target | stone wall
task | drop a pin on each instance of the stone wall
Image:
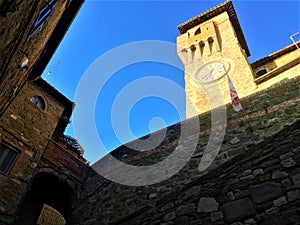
(15, 27)
(55, 156)
(27, 129)
(255, 180)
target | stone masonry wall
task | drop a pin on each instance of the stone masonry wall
(27, 129)
(259, 187)
(255, 180)
(15, 28)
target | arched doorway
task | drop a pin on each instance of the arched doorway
(46, 190)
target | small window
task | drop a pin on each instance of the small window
(8, 157)
(38, 101)
(261, 72)
(44, 15)
(198, 31)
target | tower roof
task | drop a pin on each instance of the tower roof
(224, 7)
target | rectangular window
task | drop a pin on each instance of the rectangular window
(44, 15)
(8, 157)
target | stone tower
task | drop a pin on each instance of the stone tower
(211, 46)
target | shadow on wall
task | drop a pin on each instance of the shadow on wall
(46, 189)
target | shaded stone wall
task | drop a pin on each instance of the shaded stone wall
(27, 129)
(15, 28)
(64, 162)
(260, 185)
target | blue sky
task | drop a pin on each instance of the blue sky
(102, 26)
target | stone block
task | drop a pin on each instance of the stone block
(247, 172)
(169, 216)
(273, 211)
(287, 163)
(265, 192)
(277, 174)
(242, 194)
(296, 180)
(185, 209)
(286, 155)
(280, 201)
(250, 221)
(215, 216)
(235, 141)
(296, 150)
(167, 206)
(293, 195)
(258, 172)
(238, 209)
(249, 177)
(230, 196)
(207, 204)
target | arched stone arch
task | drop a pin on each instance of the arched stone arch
(62, 176)
(47, 188)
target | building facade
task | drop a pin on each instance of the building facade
(36, 159)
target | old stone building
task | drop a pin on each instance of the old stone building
(39, 166)
(44, 178)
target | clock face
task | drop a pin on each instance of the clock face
(210, 72)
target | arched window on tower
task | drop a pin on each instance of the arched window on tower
(210, 43)
(261, 72)
(193, 50)
(201, 45)
(38, 101)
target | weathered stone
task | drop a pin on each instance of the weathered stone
(286, 184)
(277, 174)
(185, 209)
(230, 196)
(238, 209)
(273, 211)
(287, 163)
(193, 191)
(207, 204)
(264, 177)
(235, 141)
(296, 150)
(249, 177)
(293, 195)
(265, 192)
(169, 216)
(242, 194)
(272, 121)
(152, 195)
(258, 172)
(260, 217)
(250, 221)
(247, 172)
(215, 216)
(280, 201)
(296, 180)
(286, 155)
(181, 199)
(167, 206)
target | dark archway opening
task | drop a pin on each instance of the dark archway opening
(46, 189)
